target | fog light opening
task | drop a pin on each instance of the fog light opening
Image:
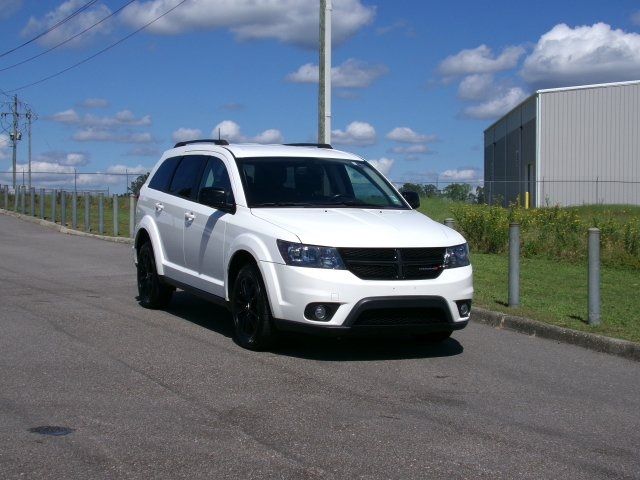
(320, 312)
(464, 307)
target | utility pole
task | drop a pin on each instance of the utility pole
(14, 137)
(28, 115)
(324, 90)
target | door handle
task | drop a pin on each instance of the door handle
(189, 216)
(159, 207)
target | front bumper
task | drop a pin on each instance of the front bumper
(291, 289)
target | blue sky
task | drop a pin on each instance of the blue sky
(415, 83)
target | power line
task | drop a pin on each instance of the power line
(99, 52)
(69, 39)
(50, 29)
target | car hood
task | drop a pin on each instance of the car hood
(356, 227)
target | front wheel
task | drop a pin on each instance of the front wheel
(252, 323)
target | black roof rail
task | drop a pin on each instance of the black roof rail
(318, 145)
(189, 142)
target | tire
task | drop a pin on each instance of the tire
(252, 320)
(152, 293)
(435, 337)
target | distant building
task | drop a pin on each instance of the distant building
(567, 146)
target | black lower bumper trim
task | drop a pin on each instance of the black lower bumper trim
(340, 330)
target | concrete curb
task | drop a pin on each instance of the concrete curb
(592, 341)
(61, 229)
(599, 343)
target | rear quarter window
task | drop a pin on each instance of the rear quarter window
(162, 178)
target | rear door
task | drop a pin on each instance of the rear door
(180, 195)
(204, 234)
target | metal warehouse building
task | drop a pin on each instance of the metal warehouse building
(567, 146)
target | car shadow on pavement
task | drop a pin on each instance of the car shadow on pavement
(218, 319)
(364, 348)
(201, 312)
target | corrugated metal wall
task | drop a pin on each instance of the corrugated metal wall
(510, 156)
(590, 145)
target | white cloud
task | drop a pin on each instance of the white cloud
(581, 55)
(498, 105)
(291, 21)
(407, 135)
(480, 60)
(476, 87)
(91, 134)
(4, 146)
(73, 159)
(269, 136)
(81, 21)
(137, 170)
(94, 103)
(67, 116)
(9, 7)
(230, 130)
(184, 134)
(121, 118)
(356, 133)
(383, 165)
(461, 175)
(411, 149)
(351, 74)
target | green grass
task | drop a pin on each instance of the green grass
(556, 293)
(437, 208)
(597, 214)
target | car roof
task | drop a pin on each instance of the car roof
(254, 150)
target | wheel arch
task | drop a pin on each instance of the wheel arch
(147, 231)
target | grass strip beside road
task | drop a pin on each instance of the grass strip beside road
(556, 293)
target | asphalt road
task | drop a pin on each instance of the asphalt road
(167, 394)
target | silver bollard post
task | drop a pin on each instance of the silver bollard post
(101, 213)
(63, 208)
(87, 211)
(74, 210)
(132, 214)
(32, 201)
(449, 222)
(22, 199)
(54, 200)
(594, 276)
(6, 197)
(514, 264)
(115, 215)
(42, 203)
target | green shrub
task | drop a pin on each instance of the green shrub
(552, 232)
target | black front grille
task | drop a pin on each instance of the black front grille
(380, 317)
(394, 263)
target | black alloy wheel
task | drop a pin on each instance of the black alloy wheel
(252, 322)
(152, 293)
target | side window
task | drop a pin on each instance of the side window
(162, 178)
(215, 175)
(187, 175)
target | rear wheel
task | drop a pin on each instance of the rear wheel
(252, 321)
(152, 293)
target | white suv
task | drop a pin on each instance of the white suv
(297, 237)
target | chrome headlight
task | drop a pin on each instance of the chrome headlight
(312, 256)
(457, 256)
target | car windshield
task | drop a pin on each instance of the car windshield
(315, 182)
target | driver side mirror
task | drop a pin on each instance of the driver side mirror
(412, 198)
(217, 198)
